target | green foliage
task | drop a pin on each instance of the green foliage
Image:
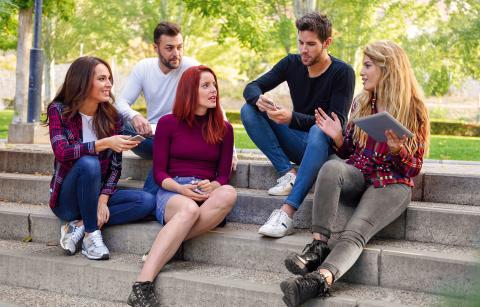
(454, 128)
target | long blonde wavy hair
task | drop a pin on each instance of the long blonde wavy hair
(399, 90)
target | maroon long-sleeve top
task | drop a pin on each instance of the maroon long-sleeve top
(180, 150)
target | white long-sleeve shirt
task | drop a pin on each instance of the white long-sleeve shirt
(158, 88)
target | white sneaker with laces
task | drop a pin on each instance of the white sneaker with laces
(93, 246)
(284, 185)
(70, 236)
(279, 224)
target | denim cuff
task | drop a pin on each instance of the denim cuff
(291, 204)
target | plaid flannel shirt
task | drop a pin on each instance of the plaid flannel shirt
(66, 140)
(378, 165)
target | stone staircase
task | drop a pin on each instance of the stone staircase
(427, 257)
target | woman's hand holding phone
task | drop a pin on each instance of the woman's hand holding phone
(188, 190)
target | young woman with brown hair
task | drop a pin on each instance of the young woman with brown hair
(85, 136)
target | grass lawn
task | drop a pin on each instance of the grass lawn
(5, 119)
(442, 147)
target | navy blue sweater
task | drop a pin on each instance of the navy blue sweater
(332, 91)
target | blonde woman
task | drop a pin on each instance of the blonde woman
(379, 175)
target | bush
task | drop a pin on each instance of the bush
(454, 128)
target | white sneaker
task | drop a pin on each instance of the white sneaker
(284, 185)
(70, 236)
(279, 224)
(94, 248)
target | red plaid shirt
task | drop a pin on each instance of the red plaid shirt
(66, 140)
(378, 165)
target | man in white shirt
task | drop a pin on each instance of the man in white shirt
(157, 78)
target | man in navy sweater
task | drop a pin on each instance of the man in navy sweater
(316, 80)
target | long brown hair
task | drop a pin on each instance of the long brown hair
(75, 90)
(399, 91)
(186, 101)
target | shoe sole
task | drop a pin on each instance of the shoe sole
(275, 235)
(102, 257)
(290, 294)
(296, 266)
(279, 194)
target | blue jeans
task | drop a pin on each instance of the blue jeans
(80, 191)
(282, 144)
(143, 150)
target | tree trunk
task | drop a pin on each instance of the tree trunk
(24, 44)
(301, 7)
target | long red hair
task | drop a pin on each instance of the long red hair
(186, 101)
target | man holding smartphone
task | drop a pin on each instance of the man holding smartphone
(157, 79)
(316, 80)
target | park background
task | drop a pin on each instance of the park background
(242, 39)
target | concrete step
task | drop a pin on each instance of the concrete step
(38, 267)
(455, 183)
(240, 246)
(423, 221)
(20, 296)
(415, 266)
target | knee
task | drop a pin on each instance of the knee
(330, 170)
(227, 197)
(317, 136)
(248, 113)
(146, 202)
(89, 165)
(189, 212)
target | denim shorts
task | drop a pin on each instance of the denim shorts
(164, 195)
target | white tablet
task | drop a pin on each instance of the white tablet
(375, 126)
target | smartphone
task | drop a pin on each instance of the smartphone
(267, 100)
(137, 137)
(198, 191)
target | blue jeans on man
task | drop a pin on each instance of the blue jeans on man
(281, 144)
(145, 151)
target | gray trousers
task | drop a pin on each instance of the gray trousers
(377, 207)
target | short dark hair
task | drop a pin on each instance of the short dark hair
(317, 23)
(165, 28)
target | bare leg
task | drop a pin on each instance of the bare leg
(181, 213)
(214, 210)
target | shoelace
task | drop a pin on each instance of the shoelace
(97, 239)
(275, 217)
(314, 286)
(285, 178)
(147, 292)
(77, 234)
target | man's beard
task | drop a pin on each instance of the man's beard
(167, 63)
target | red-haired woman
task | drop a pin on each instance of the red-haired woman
(192, 159)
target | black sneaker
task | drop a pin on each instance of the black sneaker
(142, 295)
(297, 290)
(312, 256)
